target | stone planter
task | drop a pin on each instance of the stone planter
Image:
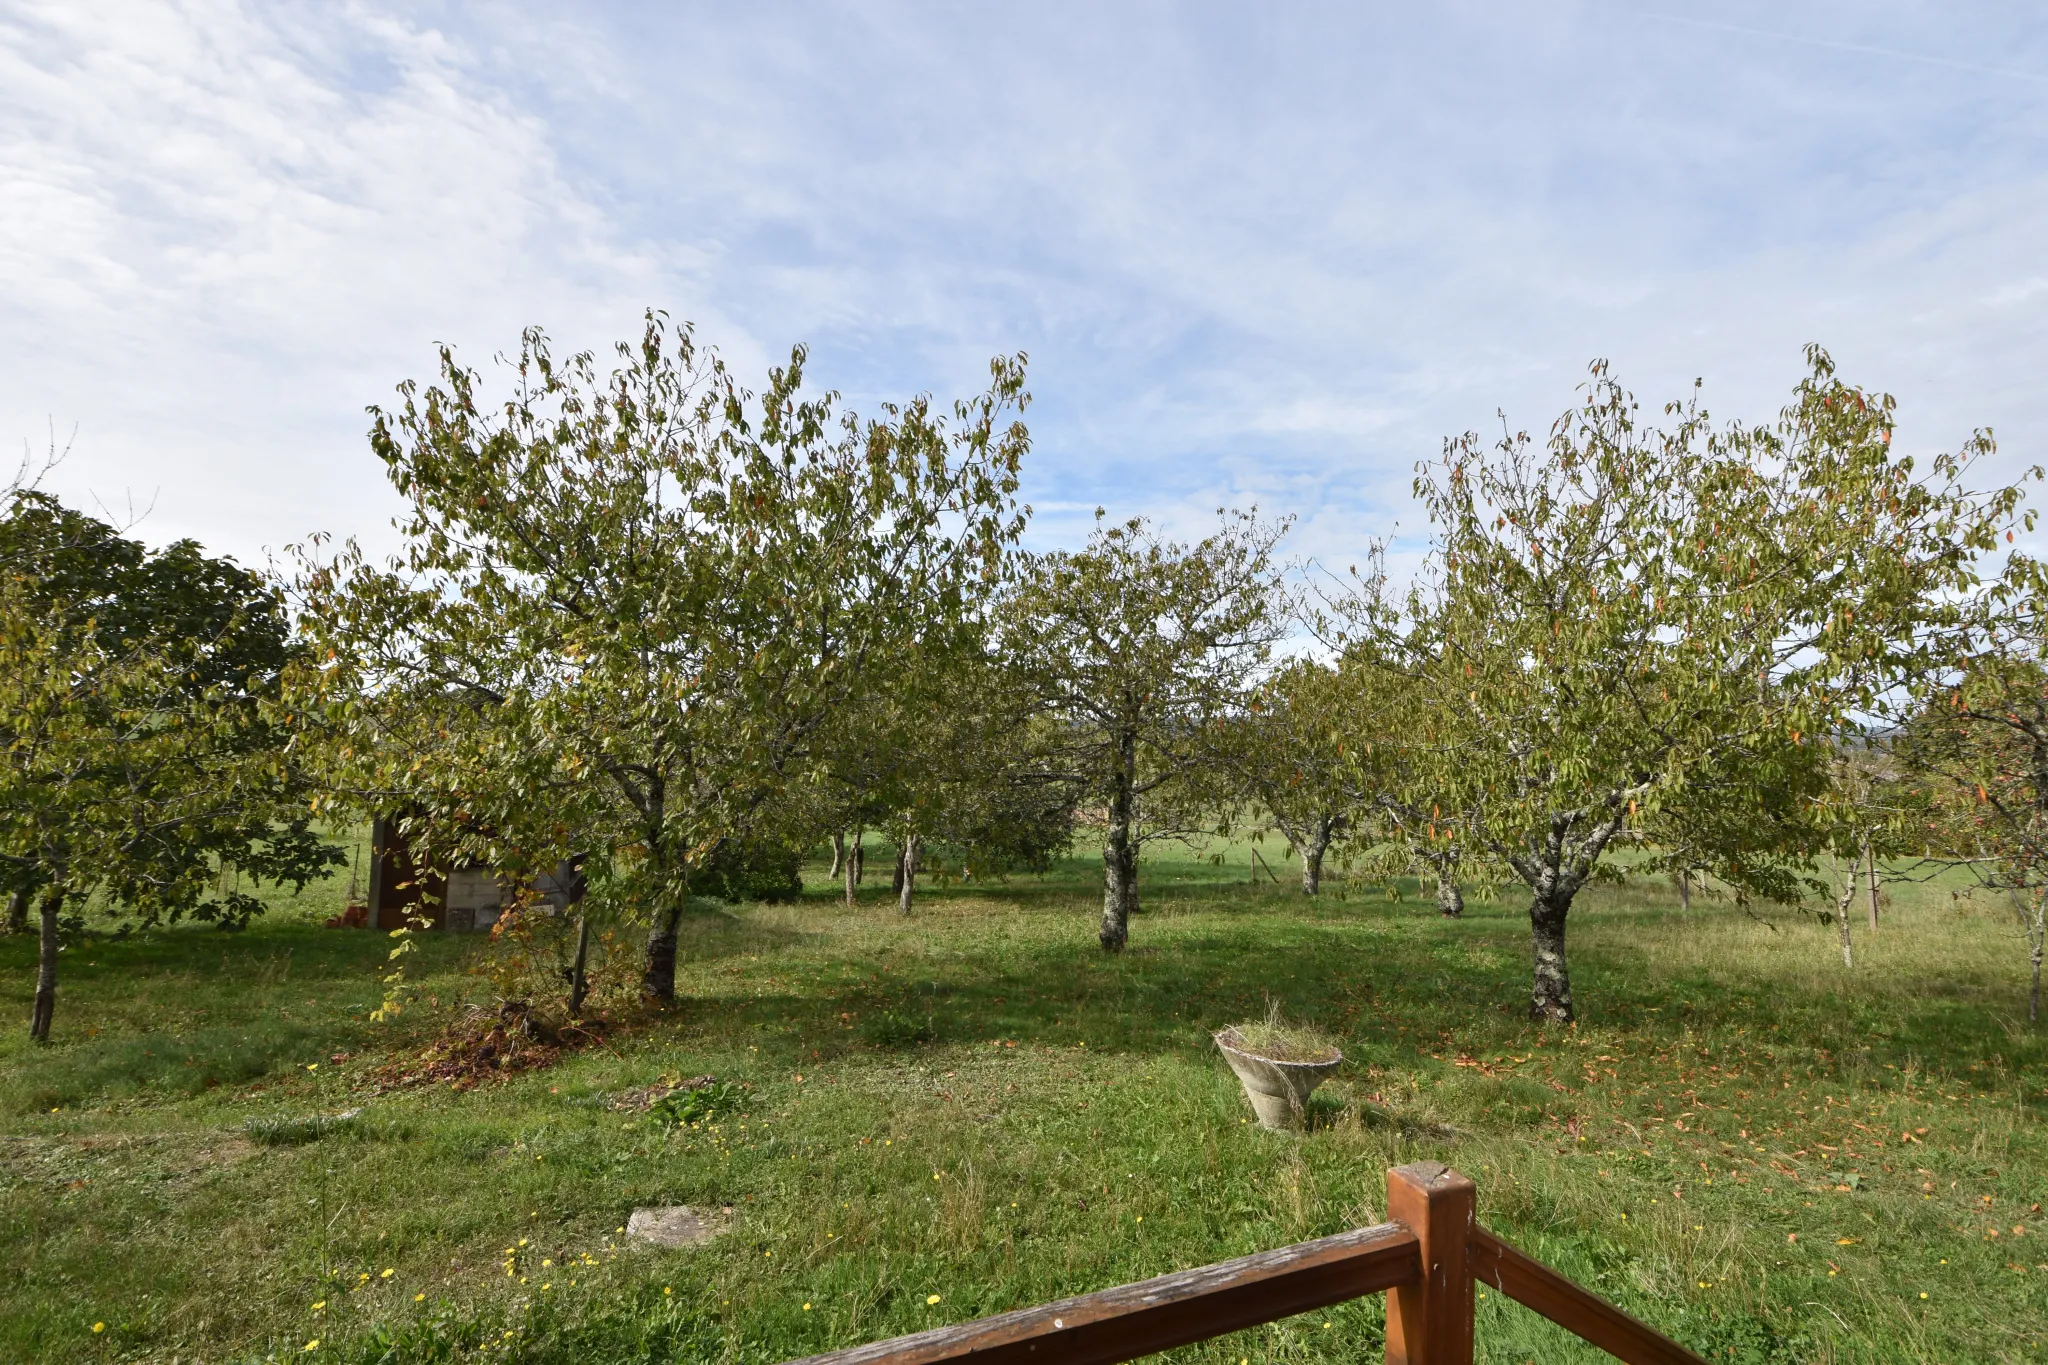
(1278, 1091)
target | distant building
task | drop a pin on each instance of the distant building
(465, 900)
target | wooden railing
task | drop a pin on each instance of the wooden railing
(1427, 1258)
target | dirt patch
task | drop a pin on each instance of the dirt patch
(647, 1096)
(225, 1152)
(78, 1161)
(110, 1142)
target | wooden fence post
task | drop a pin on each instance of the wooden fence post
(1430, 1321)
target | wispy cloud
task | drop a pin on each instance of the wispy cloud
(1269, 256)
(224, 234)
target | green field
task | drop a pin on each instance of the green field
(1765, 1155)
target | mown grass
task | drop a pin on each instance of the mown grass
(1766, 1155)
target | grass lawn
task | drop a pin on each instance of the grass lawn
(1770, 1157)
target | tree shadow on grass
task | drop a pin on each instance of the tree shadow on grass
(1348, 976)
(1401, 988)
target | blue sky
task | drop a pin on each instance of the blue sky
(1266, 254)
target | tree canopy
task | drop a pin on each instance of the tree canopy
(1630, 623)
(146, 757)
(632, 603)
(1137, 645)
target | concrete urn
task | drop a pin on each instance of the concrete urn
(1278, 1090)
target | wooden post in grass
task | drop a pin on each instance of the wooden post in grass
(1429, 1322)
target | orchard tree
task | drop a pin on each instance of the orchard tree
(1630, 624)
(1976, 748)
(1391, 744)
(1286, 750)
(1868, 810)
(1136, 647)
(1394, 742)
(145, 761)
(1757, 838)
(950, 762)
(632, 605)
(983, 796)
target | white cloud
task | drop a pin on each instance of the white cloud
(221, 236)
(1256, 255)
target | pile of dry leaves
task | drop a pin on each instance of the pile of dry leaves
(484, 1044)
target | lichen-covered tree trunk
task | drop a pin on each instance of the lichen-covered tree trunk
(1554, 867)
(838, 853)
(1120, 854)
(1119, 890)
(849, 867)
(1550, 996)
(1312, 865)
(658, 981)
(17, 911)
(1450, 897)
(2034, 997)
(1685, 890)
(46, 967)
(1842, 904)
(906, 871)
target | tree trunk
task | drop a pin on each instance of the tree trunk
(17, 911)
(46, 968)
(838, 854)
(1450, 897)
(579, 980)
(1842, 905)
(1119, 891)
(658, 982)
(1312, 865)
(2034, 999)
(896, 874)
(849, 869)
(1870, 863)
(859, 854)
(1685, 890)
(906, 871)
(2035, 915)
(1120, 859)
(1550, 997)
